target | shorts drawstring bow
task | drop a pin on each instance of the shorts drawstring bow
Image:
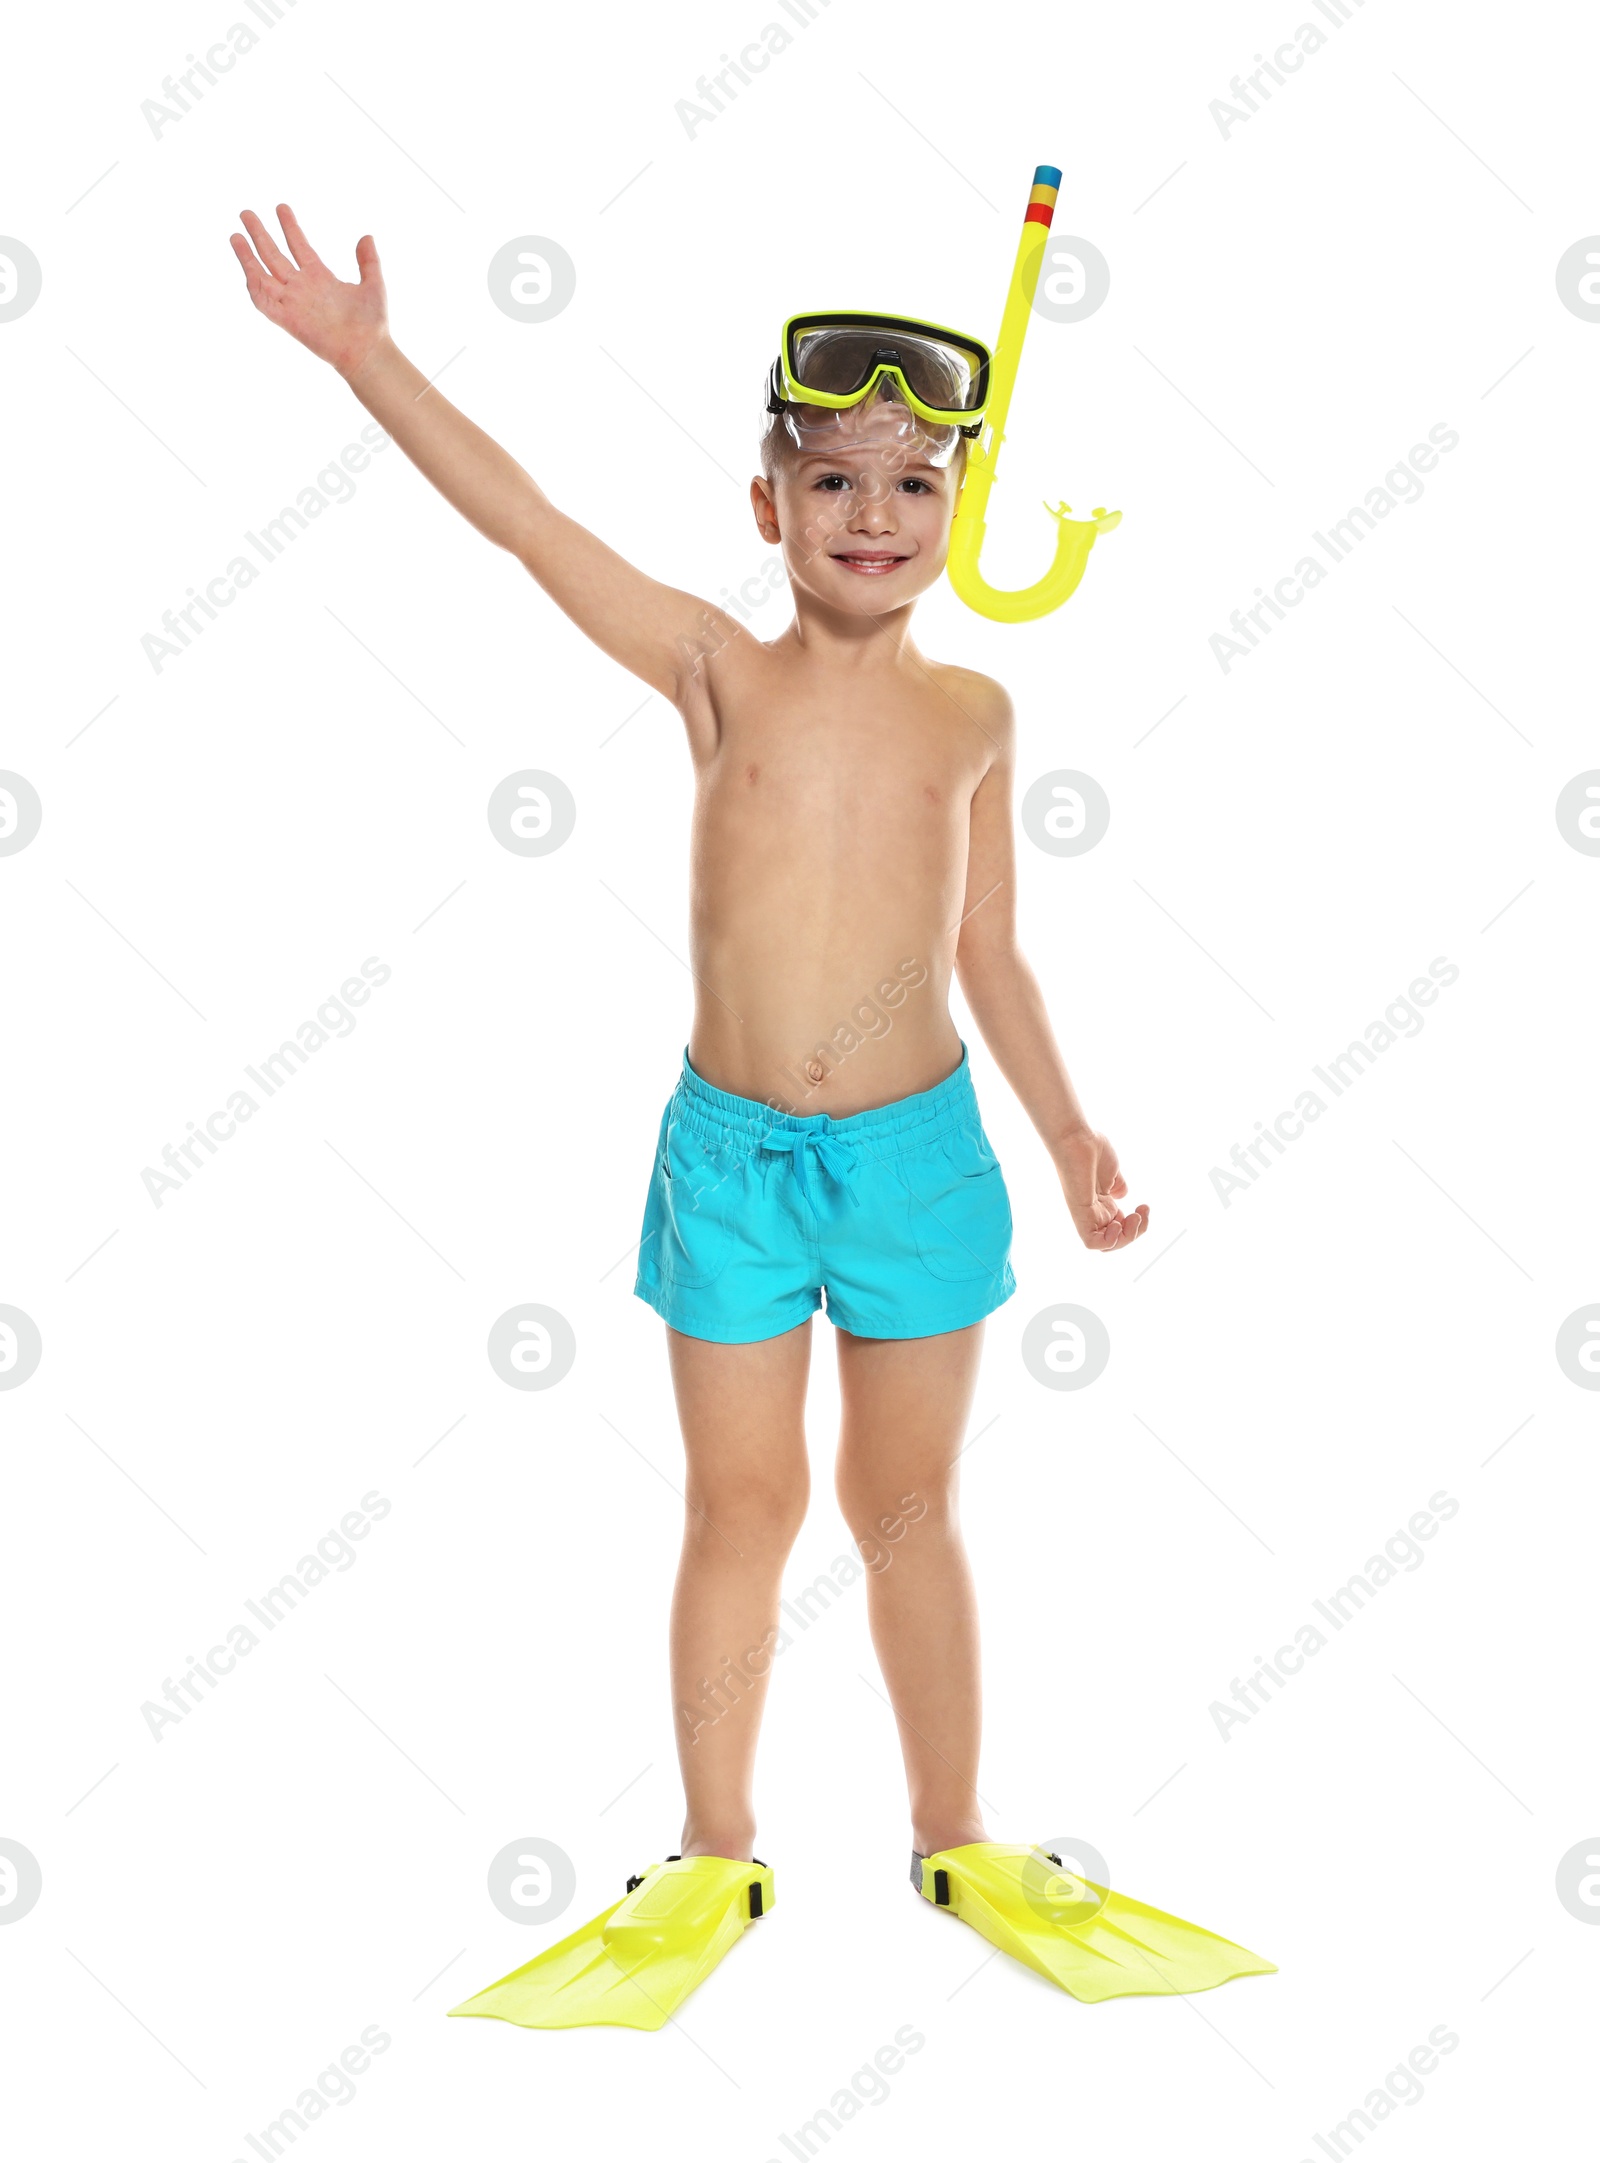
(834, 1158)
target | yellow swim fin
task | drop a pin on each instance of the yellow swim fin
(636, 1962)
(1095, 1943)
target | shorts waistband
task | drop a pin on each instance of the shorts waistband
(718, 1117)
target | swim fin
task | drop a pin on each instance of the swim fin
(1095, 1943)
(636, 1962)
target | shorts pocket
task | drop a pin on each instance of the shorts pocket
(695, 1193)
(960, 1210)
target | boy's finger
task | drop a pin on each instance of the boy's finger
(367, 259)
(299, 247)
(254, 277)
(242, 249)
(277, 263)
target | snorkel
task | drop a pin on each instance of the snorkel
(1074, 537)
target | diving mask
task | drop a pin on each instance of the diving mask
(838, 359)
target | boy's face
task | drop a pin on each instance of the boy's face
(863, 504)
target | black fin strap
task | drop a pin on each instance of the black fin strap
(756, 1859)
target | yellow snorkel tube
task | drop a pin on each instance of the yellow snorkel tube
(1074, 536)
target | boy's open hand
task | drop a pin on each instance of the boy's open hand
(1093, 1185)
(340, 323)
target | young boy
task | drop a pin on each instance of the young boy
(851, 848)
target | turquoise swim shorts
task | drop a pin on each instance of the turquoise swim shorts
(898, 1215)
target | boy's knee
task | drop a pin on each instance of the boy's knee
(880, 1517)
(761, 1516)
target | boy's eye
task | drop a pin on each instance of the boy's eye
(835, 483)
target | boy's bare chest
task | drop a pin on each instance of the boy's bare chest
(888, 761)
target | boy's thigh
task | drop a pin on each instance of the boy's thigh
(907, 1397)
(906, 1402)
(741, 1404)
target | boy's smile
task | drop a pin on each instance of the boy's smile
(868, 564)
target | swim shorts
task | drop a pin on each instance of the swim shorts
(898, 1216)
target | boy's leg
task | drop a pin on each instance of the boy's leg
(742, 1411)
(904, 1411)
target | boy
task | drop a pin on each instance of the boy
(851, 848)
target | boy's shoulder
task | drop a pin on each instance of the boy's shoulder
(986, 701)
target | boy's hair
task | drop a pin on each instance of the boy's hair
(783, 434)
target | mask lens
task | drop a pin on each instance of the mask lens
(840, 359)
(939, 374)
(837, 361)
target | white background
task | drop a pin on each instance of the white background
(1292, 307)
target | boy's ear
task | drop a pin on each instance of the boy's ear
(765, 507)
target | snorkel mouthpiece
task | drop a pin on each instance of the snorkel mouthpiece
(1074, 537)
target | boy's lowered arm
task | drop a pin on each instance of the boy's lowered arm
(1009, 1008)
(650, 628)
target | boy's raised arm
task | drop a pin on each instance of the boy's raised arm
(647, 626)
